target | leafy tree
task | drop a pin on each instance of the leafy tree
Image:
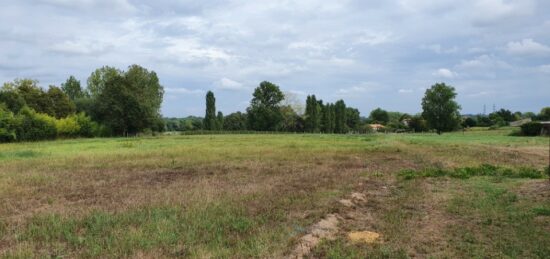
(72, 89)
(526, 115)
(379, 116)
(440, 109)
(210, 116)
(313, 114)
(32, 126)
(264, 112)
(544, 114)
(483, 121)
(34, 96)
(327, 118)
(7, 125)
(235, 121)
(129, 102)
(418, 124)
(99, 78)
(503, 116)
(219, 121)
(469, 122)
(340, 117)
(353, 119)
(11, 98)
(292, 122)
(62, 106)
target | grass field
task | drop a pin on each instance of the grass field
(474, 194)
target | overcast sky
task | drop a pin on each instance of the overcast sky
(369, 53)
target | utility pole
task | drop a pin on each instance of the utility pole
(484, 109)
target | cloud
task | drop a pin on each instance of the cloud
(230, 85)
(445, 73)
(491, 12)
(325, 48)
(527, 47)
(182, 90)
(79, 47)
(405, 91)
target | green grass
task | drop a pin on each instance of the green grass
(500, 222)
(254, 195)
(467, 172)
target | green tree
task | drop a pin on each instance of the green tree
(32, 126)
(210, 116)
(129, 102)
(353, 119)
(72, 89)
(544, 114)
(219, 121)
(379, 116)
(292, 122)
(7, 125)
(418, 124)
(264, 112)
(34, 96)
(61, 104)
(313, 114)
(235, 121)
(440, 108)
(11, 98)
(100, 77)
(340, 117)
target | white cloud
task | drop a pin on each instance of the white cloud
(191, 50)
(405, 91)
(490, 12)
(482, 62)
(182, 90)
(445, 73)
(374, 38)
(231, 85)
(79, 47)
(527, 47)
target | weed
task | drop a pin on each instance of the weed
(467, 172)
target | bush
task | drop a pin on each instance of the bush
(7, 127)
(88, 128)
(68, 127)
(33, 126)
(531, 129)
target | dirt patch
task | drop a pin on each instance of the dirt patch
(368, 237)
(327, 228)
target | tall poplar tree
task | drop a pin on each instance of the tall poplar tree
(210, 116)
(340, 117)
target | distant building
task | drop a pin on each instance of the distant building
(545, 127)
(376, 127)
(520, 122)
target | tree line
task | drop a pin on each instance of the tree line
(267, 112)
(114, 103)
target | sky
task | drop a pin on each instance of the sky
(369, 53)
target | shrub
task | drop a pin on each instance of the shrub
(531, 129)
(87, 126)
(33, 126)
(68, 127)
(7, 127)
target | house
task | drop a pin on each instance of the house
(520, 122)
(376, 127)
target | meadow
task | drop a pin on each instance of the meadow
(473, 194)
